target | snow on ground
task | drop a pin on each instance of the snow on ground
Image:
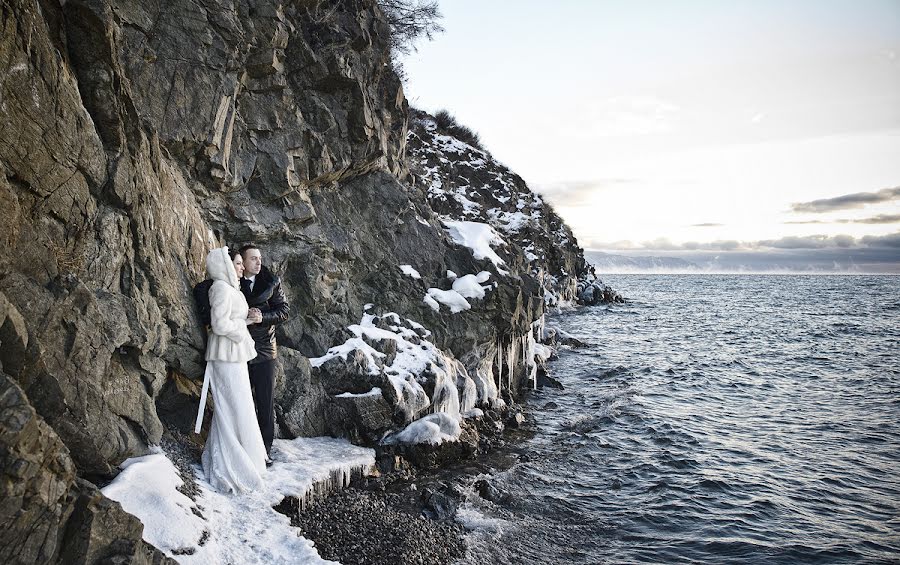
(374, 392)
(477, 236)
(241, 528)
(409, 270)
(414, 355)
(350, 346)
(511, 222)
(146, 487)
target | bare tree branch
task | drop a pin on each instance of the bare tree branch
(411, 20)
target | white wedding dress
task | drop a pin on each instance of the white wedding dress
(234, 457)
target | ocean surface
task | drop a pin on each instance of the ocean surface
(711, 419)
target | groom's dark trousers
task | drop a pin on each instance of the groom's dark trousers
(267, 295)
(262, 382)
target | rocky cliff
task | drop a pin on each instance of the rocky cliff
(135, 136)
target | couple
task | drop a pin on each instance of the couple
(246, 302)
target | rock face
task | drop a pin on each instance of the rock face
(135, 136)
(463, 182)
(47, 513)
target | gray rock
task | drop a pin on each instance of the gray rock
(438, 505)
(49, 515)
(36, 480)
(99, 531)
(300, 396)
(430, 456)
(488, 491)
(361, 419)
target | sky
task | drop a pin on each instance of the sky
(668, 126)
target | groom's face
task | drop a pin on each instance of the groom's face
(252, 262)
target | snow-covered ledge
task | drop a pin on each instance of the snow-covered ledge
(225, 528)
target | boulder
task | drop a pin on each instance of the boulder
(363, 418)
(300, 396)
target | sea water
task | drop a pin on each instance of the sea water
(711, 419)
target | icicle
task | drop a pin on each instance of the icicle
(525, 348)
(511, 356)
(533, 364)
(500, 364)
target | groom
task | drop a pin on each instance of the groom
(269, 308)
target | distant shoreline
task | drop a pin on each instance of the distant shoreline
(756, 273)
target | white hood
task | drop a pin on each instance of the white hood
(220, 267)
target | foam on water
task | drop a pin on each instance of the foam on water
(726, 419)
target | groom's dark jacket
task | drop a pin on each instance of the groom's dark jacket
(269, 298)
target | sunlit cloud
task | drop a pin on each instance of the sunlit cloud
(847, 201)
(578, 193)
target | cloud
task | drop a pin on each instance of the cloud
(809, 242)
(577, 193)
(664, 244)
(707, 225)
(847, 201)
(879, 219)
(890, 240)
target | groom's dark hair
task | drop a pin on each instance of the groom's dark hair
(245, 248)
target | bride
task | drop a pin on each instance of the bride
(234, 456)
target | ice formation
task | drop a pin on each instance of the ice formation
(434, 429)
(457, 391)
(415, 359)
(236, 528)
(374, 392)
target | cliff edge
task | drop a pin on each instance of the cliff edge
(134, 137)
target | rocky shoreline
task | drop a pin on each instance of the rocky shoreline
(402, 513)
(362, 527)
(407, 515)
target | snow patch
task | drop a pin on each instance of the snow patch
(477, 236)
(409, 270)
(374, 392)
(450, 298)
(469, 286)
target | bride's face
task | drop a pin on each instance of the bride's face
(238, 265)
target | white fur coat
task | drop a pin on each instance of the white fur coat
(229, 339)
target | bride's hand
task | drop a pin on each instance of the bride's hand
(254, 316)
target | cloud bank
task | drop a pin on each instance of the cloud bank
(847, 201)
(891, 241)
(879, 219)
